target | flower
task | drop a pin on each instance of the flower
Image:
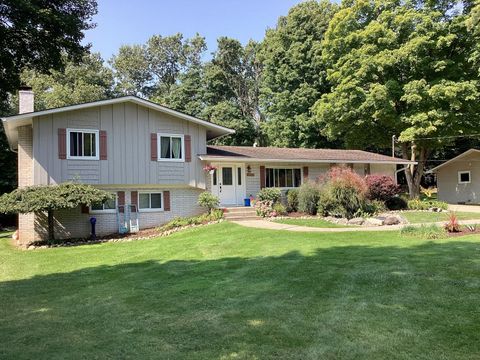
(209, 168)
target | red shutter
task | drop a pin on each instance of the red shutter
(85, 209)
(134, 200)
(62, 144)
(305, 173)
(103, 145)
(262, 177)
(121, 201)
(166, 200)
(188, 148)
(153, 147)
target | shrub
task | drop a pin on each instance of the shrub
(214, 215)
(373, 207)
(270, 194)
(264, 208)
(424, 231)
(343, 194)
(381, 187)
(278, 209)
(308, 196)
(417, 204)
(208, 200)
(292, 200)
(452, 225)
(396, 203)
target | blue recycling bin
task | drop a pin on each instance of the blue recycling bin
(246, 202)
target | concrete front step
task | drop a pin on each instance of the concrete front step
(239, 209)
(240, 213)
(243, 218)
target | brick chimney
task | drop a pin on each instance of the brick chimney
(25, 100)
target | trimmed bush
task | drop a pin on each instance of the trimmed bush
(264, 208)
(214, 215)
(292, 200)
(417, 204)
(373, 207)
(381, 187)
(208, 200)
(270, 194)
(308, 196)
(279, 209)
(396, 203)
(343, 194)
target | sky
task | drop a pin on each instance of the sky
(134, 21)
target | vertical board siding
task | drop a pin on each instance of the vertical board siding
(128, 144)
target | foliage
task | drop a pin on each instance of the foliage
(396, 203)
(292, 200)
(208, 200)
(343, 193)
(399, 68)
(89, 80)
(430, 232)
(372, 207)
(213, 215)
(417, 204)
(34, 34)
(308, 196)
(381, 187)
(270, 194)
(279, 209)
(428, 192)
(48, 198)
(294, 74)
(452, 225)
(264, 208)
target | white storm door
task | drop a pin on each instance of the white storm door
(226, 185)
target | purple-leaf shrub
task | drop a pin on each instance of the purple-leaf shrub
(381, 187)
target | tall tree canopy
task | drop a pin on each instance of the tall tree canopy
(35, 33)
(89, 80)
(399, 68)
(294, 75)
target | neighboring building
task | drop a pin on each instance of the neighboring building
(458, 178)
(153, 157)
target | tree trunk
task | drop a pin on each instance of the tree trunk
(414, 173)
(51, 232)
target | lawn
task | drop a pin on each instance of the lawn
(314, 222)
(228, 292)
(415, 217)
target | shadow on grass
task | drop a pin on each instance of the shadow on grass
(344, 302)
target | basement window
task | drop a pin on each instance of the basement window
(464, 177)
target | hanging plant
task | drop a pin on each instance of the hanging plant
(210, 169)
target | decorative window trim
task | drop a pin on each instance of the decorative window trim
(285, 168)
(460, 173)
(106, 211)
(150, 197)
(84, 131)
(159, 150)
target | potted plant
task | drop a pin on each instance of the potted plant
(210, 169)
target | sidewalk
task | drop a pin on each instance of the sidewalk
(270, 225)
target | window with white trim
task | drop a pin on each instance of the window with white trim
(170, 147)
(283, 178)
(82, 144)
(464, 177)
(107, 206)
(151, 201)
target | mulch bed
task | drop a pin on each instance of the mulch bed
(464, 231)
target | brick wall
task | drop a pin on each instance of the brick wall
(26, 222)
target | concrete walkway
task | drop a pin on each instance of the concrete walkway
(270, 225)
(464, 208)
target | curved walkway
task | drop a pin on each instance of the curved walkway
(270, 225)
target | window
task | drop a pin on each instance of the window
(214, 177)
(82, 144)
(464, 177)
(239, 176)
(227, 176)
(107, 206)
(150, 201)
(170, 147)
(283, 178)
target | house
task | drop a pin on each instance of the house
(457, 178)
(152, 157)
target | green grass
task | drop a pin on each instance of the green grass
(228, 292)
(318, 222)
(416, 217)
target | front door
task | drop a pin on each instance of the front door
(226, 185)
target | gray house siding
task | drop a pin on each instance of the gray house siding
(128, 128)
(450, 190)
